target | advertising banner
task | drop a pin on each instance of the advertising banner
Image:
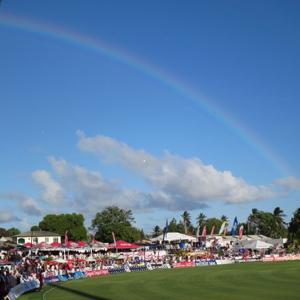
(184, 264)
(23, 288)
(94, 273)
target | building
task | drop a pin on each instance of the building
(36, 237)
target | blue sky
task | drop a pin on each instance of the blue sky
(81, 129)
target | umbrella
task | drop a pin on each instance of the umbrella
(28, 245)
(55, 244)
(71, 244)
(40, 245)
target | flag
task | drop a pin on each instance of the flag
(197, 232)
(204, 232)
(165, 231)
(223, 227)
(234, 226)
(241, 231)
(212, 230)
(66, 237)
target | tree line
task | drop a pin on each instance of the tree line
(122, 223)
(271, 224)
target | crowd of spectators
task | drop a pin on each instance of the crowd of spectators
(8, 279)
(28, 265)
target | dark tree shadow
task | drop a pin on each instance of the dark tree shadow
(80, 293)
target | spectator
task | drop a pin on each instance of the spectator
(3, 287)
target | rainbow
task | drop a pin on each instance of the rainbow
(92, 44)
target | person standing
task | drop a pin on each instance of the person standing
(40, 277)
(3, 288)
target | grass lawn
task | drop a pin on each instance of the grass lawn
(254, 281)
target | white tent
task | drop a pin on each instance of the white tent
(174, 237)
(256, 245)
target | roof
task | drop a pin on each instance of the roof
(256, 245)
(174, 236)
(36, 234)
(5, 239)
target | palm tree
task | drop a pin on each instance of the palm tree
(186, 217)
(294, 227)
(279, 216)
(201, 220)
(253, 221)
(279, 223)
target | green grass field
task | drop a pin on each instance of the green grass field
(263, 281)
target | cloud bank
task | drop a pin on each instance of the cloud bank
(175, 179)
(173, 183)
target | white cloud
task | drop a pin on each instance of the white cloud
(290, 183)
(175, 183)
(87, 190)
(52, 190)
(29, 205)
(6, 217)
(176, 180)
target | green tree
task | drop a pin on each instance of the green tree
(201, 220)
(13, 231)
(294, 228)
(3, 232)
(186, 218)
(267, 223)
(172, 226)
(142, 234)
(156, 231)
(279, 229)
(253, 221)
(210, 222)
(181, 227)
(117, 220)
(35, 228)
(73, 223)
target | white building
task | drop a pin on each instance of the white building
(36, 237)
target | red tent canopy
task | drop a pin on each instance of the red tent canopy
(28, 245)
(81, 244)
(71, 244)
(40, 245)
(123, 245)
(55, 244)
